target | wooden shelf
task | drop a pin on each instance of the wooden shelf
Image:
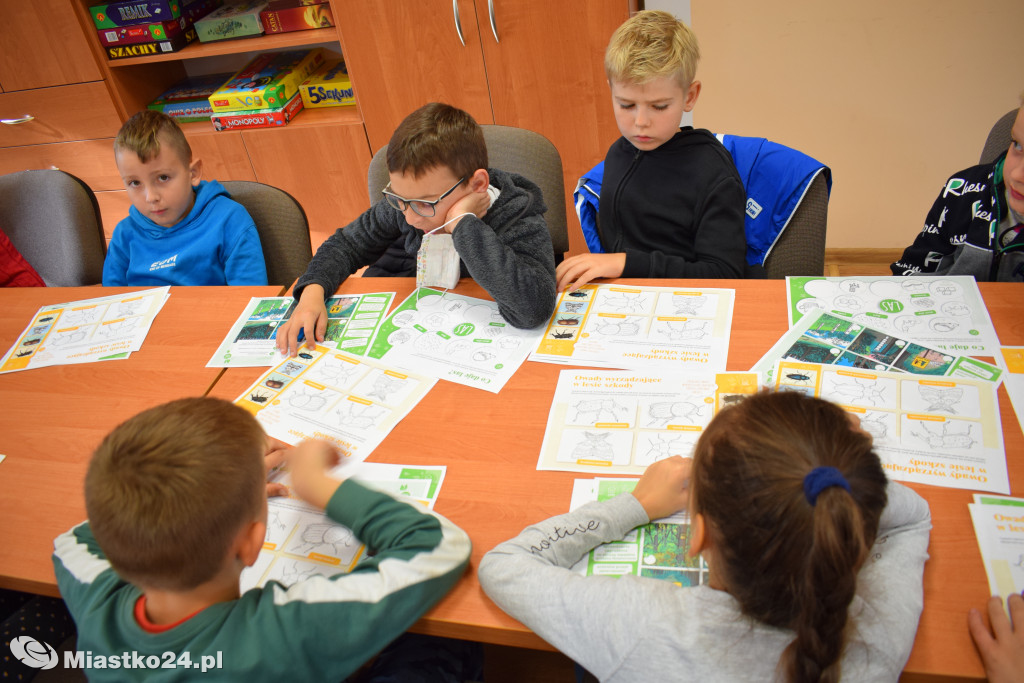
(197, 50)
(322, 116)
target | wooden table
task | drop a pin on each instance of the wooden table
(490, 444)
(51, 419)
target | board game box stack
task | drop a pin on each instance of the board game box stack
(281, 16)
(328, 86)
(265, 92)
(235, 19)
(135, 28)
(189, 100)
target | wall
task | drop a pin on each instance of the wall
(893, 96)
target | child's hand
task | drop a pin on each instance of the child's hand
(308, 463)
(475, 203)
(1002, 649)
(665, 487)
(276, 454)
(309, 316)
(576, 271)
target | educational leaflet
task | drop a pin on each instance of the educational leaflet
(656, 550)
(619, 422)
(104, 328)
(943, 431)
(1012, 359)
(999, 528)
(302, 541)
(820, 337)
(619, 326)
(458, 338)
(351, 401)
(945, 312)
(352, 320)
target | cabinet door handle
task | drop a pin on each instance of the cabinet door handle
(13, 122)
(458, 22)
(490, 14)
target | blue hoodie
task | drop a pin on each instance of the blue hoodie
(215, 244)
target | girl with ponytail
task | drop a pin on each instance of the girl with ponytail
(815, 560)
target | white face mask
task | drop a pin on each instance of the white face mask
(437, 262)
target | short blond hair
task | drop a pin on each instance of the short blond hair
(142, 134)
(169, 489)
(649, 45)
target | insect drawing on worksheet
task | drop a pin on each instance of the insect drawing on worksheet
(561, 333)
(333, 371)
(941, 399)
(65, 337)
(686, 305)
(625, 302)
(594, 446)
(574, 306)
(358, 415)
(942, 438)
(857, 390)
(877, 424)
(681, 331)
(594, 410)
(661, 446)
(617, 327)
(307, 399)
(664, 413)
(385, 385)
(291, 573)
(328, 538)
(259, 396)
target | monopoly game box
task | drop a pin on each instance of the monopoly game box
(258, 118)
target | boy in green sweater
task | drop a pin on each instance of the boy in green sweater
(177, 505)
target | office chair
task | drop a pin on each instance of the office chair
(515, 150)
(998, 140)
(282, 226)
(52, 218)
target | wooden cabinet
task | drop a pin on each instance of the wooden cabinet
(540, 65)
(41, 45)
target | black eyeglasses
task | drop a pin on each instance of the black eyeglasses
(420, 206)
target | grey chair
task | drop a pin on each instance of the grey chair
(800, 249)
(998, 140)
(282, 225)
(52, 218)
(516, 150)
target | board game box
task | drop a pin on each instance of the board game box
(188, 100)
(142, 33)
(259, 118)
(328, 86)
(281, 16)
(234, 20)
(151, 48)
(194, 10)
(267, 81)
(130, 12)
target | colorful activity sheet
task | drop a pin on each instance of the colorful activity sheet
(1012, 359)
(352, 320)
(943, 431)
(302, 541)
(605, 421)
(619, 326)
(945, 312)
(104, 328)
(999, 528)
(656, 550)
(351, 401)
(458, 338)
(821, 337)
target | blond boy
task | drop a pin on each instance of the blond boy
(672, 202)
(180, 230)
(177, 509)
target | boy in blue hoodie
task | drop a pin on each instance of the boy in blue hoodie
(180, 230)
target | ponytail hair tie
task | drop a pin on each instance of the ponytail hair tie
(821, 478)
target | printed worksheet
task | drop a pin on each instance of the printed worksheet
(999, 528)
(352, 320)
(351, 401)
(656, 550)
(619, 326)
(1012, 359)
(453, 337)
(820, 337)
(302, 541)
(619, 422)
(945, 312)
(104, 328)
(943, 431)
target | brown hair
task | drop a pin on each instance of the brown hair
(649, 45)
(435, 135)
(141, 134)
(168, 490)
(790, 563)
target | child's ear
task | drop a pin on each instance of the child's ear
(699, 538)
(250, 542)
(692, 93)
(195, 170)
(479, 181)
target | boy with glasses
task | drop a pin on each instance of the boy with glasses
(437, 163)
